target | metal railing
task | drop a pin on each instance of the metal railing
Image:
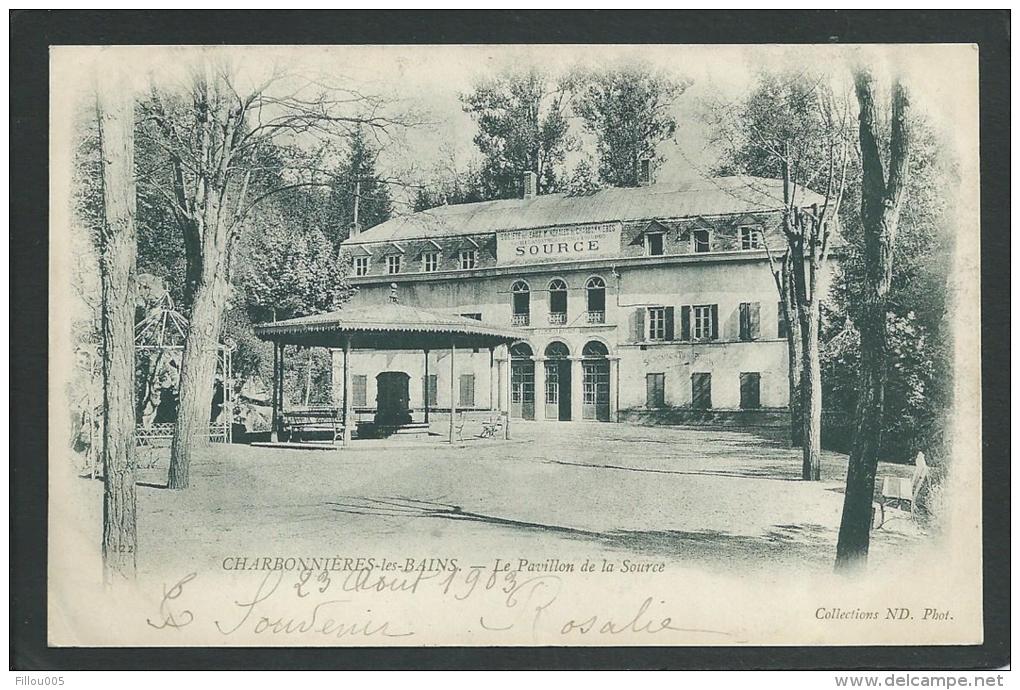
(557, 317)
(596, 316)
(521, 320)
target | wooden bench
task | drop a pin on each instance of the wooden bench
(325, 420)
(897, 491)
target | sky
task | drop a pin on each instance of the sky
(428, 80)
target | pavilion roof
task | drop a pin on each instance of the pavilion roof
(389, 326)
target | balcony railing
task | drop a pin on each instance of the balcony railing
(521, 319)
(596, 316)
(558, 317)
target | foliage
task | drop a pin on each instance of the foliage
(453, 188)
(918, 390)
(375, 204)
(628, 110)
(522, 127)
(285, 272)
(583, 180)
(799, 109)
(785, 116)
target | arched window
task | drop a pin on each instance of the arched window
(593, 349)
(521, 351)
(557, 350)
(557, 301)
(596, 290)
(521, 303)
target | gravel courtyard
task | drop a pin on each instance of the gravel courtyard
(702, 497)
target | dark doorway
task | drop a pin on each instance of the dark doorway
(391, 402)
(522, 382)
(557, 382)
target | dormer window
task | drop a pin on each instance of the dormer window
(394, 262)
(361, 265)
(430, 262)
(654, 243)
(468, 259)
(751, 238)
(701, 241)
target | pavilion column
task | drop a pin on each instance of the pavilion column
(576, 389)
(614, 388)
(347, 390)
(508, 392)
(539, 387)
(274, 429)
(425, 388)
(453, 388)
(492, 372)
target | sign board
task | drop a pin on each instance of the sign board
(573, 243)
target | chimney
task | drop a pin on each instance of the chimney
(530, 185)
(645, 170)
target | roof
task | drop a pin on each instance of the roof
(389, 326)
(706, 197)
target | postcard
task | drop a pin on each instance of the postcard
(504, 345)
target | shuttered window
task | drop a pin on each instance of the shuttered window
(655, 385)
(706, 322)
(750, 390)
(359, 390)
(431, 386)
(781, 318)
(701, 391)
(656, 323)
(750, 319)
(467, 390)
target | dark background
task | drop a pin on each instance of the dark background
(32, 32)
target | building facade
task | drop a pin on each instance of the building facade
(646, 303)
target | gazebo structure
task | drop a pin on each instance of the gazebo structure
(159, 347)
(382, 327)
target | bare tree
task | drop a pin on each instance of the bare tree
(881, 199)
(117, 241)
(213, 134)
(796, 127)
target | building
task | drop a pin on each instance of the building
(651, 303)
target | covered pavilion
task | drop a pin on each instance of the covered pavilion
(390, 326)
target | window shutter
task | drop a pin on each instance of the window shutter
(754, 321)
(359, 384)
(781, 320)
(685, 323)
(467, 390)
(745, 321)
(715, 322)
(701, 393)
(637, 325)
(669, 324)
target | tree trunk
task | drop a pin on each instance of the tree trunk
(880, 206)
(811, 396)
(796, 414)
(115, 110)
(855, 525)
(198, 372)
(794, 349)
